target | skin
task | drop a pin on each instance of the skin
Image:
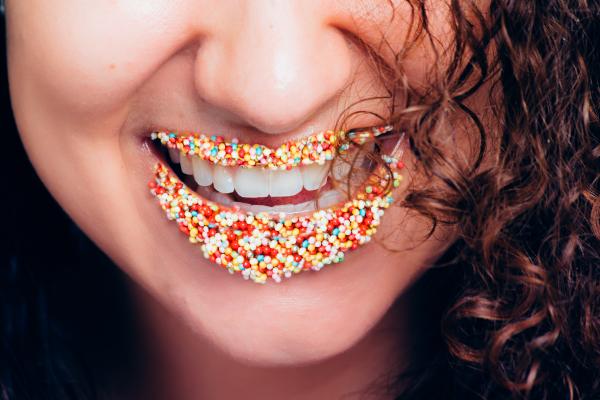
(89, 79)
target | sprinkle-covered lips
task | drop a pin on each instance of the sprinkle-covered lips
(317, 148)
(262, 245)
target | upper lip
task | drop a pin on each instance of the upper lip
(319, 146)
(273, 143)
(244, 135)
(142, 127)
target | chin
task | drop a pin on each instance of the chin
(292, 324)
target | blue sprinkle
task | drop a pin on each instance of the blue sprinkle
(194, 213)
(305, 243)
(362, 212)
(171, 135)
(335, 231)
(260, 257)
(214, 151)
(259, 150)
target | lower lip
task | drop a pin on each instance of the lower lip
(262, 247)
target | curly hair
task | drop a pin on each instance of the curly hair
(521, 317)
(517, 307)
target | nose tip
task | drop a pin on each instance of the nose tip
(276, 71)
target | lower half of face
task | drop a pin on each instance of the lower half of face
(246, 259)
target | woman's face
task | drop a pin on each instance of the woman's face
(90, 80)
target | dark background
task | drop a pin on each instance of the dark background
(65, 321)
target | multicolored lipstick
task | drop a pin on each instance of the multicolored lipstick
(262, 246)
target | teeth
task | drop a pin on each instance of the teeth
(330, 198)
(206, 192)
(174, 154)
(222, 179)
(202, 172)
(341, 169)
(305, 207)
(222, 199)
(285, 208)
(186, 164)
(314, 175)
(327, 199)
(342, 166)
(261, 182)
(285, 183)
(252, 182)
(254, 208)
(257, 208)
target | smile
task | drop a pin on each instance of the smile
(270, 213)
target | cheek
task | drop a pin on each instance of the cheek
(73, 69)
(87, 57)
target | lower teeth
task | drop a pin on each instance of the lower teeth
(326, 200)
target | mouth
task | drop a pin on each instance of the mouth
(271, 213)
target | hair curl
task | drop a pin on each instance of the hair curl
(523, 280)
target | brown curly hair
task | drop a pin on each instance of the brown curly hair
(518, 294)
(520, 308)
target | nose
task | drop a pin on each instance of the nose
(275, 65)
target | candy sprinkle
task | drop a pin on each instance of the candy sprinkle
(317, 148)
(262, 246)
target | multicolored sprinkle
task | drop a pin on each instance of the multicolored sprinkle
(262, 246)
(317, 148)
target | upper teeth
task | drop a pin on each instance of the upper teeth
(253, 182)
